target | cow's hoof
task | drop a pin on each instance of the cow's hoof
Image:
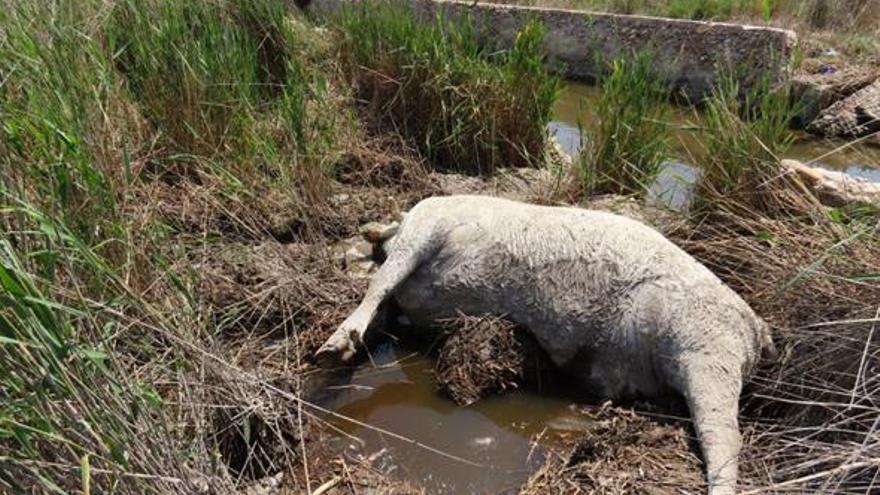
(337, 351)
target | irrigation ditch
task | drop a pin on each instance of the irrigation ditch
(190, 194)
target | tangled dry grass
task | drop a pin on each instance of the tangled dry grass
(817, 406)
(271, 304)
(622, 452)
(484, 355)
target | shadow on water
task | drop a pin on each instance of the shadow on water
(674, 186)
(396, 391)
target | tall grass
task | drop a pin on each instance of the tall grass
(101, 105)
(204, 71)
(745, 136)
(98, 98)
(465, 106)
(625, 150)
(63, 111)
(71, 416)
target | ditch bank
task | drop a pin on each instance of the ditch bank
(579, 45)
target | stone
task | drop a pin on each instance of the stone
(855, 116)
(816, 92)
(835, 188)
(375, 232)
(356, 255)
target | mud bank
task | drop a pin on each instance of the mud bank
(579, 44)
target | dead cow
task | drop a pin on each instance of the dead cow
(611, 300)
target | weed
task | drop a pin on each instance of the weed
(465, 106)
(626, 149)
(98, 102)
(70, 415)
(744, 137)
(206, 73)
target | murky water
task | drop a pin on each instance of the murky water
(673, 187)
(490, 440)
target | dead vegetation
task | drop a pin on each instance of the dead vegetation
(622, 452)
(484, 355)
(270, 289)
(816, 407)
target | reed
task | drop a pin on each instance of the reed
(625, 150)
(466, 106)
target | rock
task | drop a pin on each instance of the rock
(362, 254)
(520, 184)
(829, 53)
(855, 116)
(356, 255)
(269, 485)
(375, 232)
(816, 92)
(835, 188)
(662, 219)
(340, 198)
(557, 157)
(359, 251)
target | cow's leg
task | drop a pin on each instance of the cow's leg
(712, 390)
(410, 248)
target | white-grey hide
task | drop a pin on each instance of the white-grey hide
(610, 300)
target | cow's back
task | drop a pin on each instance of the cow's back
(585, 283)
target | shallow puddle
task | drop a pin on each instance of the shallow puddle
(487, 447)
(575, 106)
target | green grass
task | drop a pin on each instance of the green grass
(205, 72)
(101, 105)
(745, 136)
(626, 148)
(465, 106)
(96, 99)
(67, 401)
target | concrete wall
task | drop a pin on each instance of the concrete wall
(579, 44)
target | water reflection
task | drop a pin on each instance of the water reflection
(399, 394)
(674, 186)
